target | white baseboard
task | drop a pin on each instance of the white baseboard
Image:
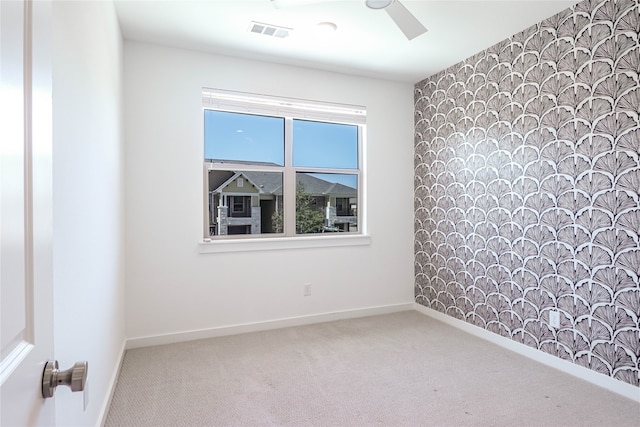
(601, 380)
(264, 326)
(102, 416)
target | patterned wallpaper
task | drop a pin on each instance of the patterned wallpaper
(527, 182)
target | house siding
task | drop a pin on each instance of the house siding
(527, 181)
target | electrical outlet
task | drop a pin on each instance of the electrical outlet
(306, 289)
(554, 319)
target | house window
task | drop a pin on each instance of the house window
(343, 206)
(280, 167)
(240, 206)
(239, 229)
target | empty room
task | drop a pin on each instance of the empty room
(320, 213)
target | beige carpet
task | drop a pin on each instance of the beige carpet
(403, 369)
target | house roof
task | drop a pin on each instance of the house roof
(320, 187)
(271, 183)
(217, 178)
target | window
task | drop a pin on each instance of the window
(280, 167)
(239, 229)
(240, 206)
(346, 207)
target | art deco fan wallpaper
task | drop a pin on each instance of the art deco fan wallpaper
(527, 182)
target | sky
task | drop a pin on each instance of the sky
(234, 136)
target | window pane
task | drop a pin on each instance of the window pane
(325, 145)
(243, 138)
(326, 203)
(245, 202)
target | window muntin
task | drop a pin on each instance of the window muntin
(321, 146)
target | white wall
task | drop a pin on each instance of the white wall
(88, 201)
(171, 287)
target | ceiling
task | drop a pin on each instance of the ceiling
(367, 42)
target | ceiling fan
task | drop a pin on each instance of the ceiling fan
(404, 19)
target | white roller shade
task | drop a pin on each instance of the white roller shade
(250, 103)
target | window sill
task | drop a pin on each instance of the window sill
(279, 243)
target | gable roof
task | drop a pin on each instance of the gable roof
(271, 183)
(320, 187)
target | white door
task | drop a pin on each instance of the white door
(25, 211)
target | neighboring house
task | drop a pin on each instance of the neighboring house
(244, 202)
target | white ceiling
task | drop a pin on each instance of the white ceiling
(367, 42)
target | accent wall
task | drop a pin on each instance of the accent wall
(527, 182)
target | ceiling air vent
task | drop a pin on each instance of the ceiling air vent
(269, 30)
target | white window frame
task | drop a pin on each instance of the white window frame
(289, 109)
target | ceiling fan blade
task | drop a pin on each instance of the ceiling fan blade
(408, 23)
